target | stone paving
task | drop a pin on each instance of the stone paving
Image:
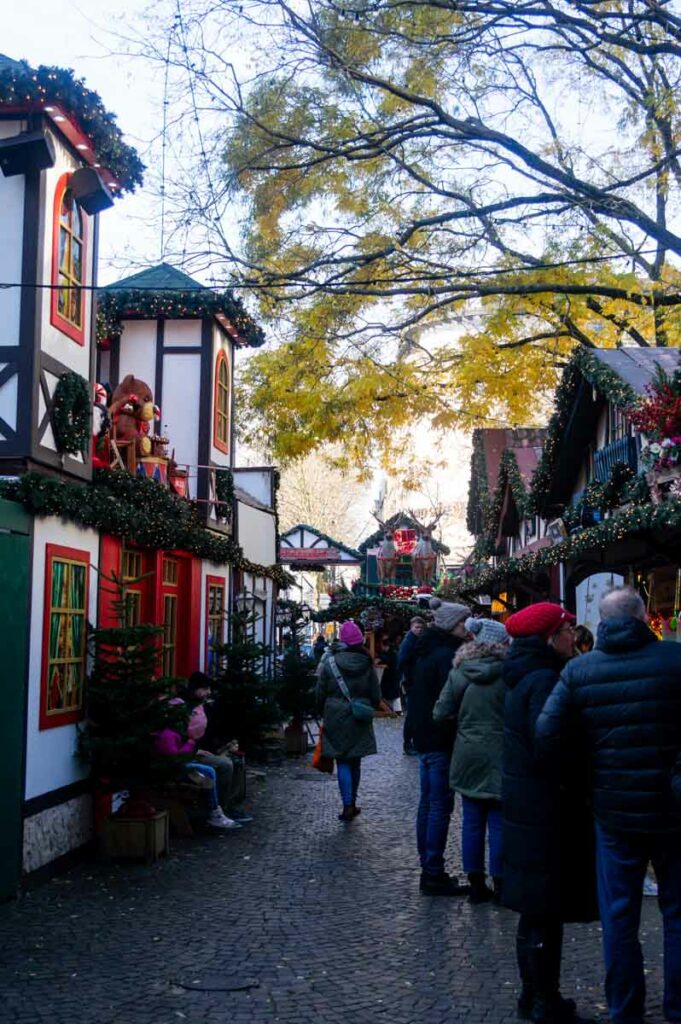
(294, 918)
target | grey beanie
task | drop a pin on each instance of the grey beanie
(447, 616)
(487, 631)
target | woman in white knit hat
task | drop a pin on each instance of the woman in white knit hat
(474, 696)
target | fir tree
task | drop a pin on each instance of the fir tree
(127, 701)
(296, 673)
(245, 706)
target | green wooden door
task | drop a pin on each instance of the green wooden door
(14, 607)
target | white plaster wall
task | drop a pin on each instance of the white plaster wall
(50, 753)
(257, 534)
(54, 832)
(182, 332)
(138, 351)
(180, 405)
(258, 483)
(11, 240)
(220, 342)
(54, 341)
(210, 569)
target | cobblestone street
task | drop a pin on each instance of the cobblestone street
(294, 918)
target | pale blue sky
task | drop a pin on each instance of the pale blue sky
(81, 35)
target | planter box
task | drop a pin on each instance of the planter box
(135, 838)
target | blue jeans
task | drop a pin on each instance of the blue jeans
(622, 860)
(210, 773)
(480, 816)
(435, 809)
(349, 771)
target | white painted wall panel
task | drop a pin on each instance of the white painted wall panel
(182, 332)
(54, 341)
(257, 534)
(180, 405)
(50, 754)
(11, 241)
(138, 351)
(220, 342)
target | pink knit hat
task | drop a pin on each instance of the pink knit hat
(351, 634)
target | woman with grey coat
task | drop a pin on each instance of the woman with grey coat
(346, 738)
(474, 695)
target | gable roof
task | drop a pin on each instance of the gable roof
(400, 521)
(330, 542)
(490, 448)
(161, 277)
(591, 378)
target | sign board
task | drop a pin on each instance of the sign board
(309, 554)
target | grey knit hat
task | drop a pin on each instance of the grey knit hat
(487, 631)
(447, 616)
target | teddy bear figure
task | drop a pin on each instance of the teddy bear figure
(132, 410)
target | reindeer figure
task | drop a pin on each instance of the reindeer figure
(423, 557)
(386, 559)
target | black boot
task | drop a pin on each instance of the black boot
(347, 814)
(496, 896)
(479, 891)
(442, 885)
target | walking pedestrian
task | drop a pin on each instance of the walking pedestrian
(387, 660)
(548, 856)
(405, 660)
(433, 741)
(345, 737)
(473, 697)
(625, 700)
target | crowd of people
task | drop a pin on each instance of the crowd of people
(567, 760)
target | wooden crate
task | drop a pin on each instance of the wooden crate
(135, 838)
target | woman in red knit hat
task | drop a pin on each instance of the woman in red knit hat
(549, 867)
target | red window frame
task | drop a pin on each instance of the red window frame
(221, 445)
(74, 332)
(56, 719)
(213, 581)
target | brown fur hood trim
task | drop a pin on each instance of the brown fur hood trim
(473, 651)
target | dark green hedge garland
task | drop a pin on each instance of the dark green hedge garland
(114, 304)
(352, 607)
(617, 527)
(478, 492)
(134, 507)
(509, 473)
(224, 492)
(583, 364)
(22, 85)
(71, 414)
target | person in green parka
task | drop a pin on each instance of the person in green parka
(474, 695)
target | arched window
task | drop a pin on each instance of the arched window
(221, 427)
(68, 263)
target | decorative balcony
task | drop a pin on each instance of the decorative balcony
(625, 450)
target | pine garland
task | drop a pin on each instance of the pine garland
(114, 304)
(224, 492)
(478, 492)
(137, 508)
(21, 86)
(352, 607)
(71, 414)
(595, 538)
(584, 364)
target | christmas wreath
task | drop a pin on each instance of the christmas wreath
(71, 413)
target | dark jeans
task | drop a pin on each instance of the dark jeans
(480, 816)
(349, 770)
(435, 809)
(539, 947)
(622, 861)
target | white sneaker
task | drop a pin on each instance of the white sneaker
(218, 819)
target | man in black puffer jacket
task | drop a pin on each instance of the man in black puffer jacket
(622, 704)
(433, 741)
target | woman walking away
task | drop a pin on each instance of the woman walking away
(347, 738)
(474, 696)
(549, 857)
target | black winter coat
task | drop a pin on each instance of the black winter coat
(623, 701)
(428, 670)
(549, 865)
